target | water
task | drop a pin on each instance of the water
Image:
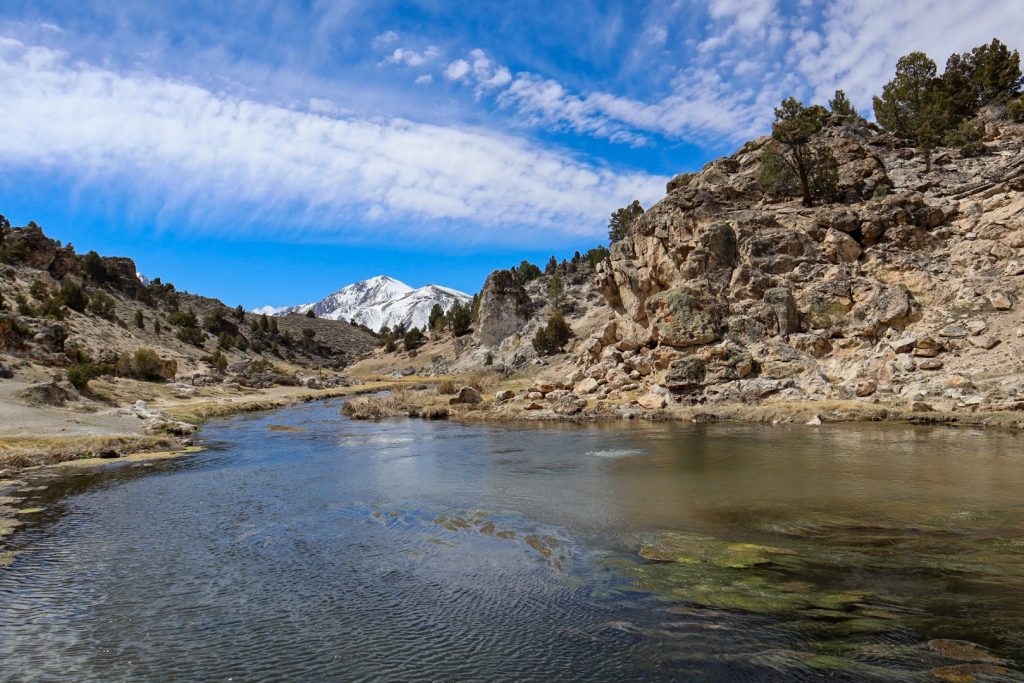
(412, 550)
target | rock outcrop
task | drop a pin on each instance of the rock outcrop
(888, 295)
(503, 308)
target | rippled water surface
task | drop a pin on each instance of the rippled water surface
(411, 550)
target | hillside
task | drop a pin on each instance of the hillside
(899, 296)
(86, 318)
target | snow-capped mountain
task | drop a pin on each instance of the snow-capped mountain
(377, 302)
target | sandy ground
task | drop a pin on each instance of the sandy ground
(17, 419)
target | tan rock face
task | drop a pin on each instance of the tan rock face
(503, 303)
(726, 294)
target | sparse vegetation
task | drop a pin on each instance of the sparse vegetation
(81, 375)
(144, 365)
(622, 220)
(553, 337)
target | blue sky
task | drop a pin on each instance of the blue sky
(271, 152)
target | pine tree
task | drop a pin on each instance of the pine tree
(622, 220)
(840, 105)
(793, 128)
(997, 72)
(436, 318)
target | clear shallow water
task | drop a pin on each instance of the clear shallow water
(413, 550)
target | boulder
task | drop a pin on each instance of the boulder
(685, 374)
(840, 247)
(652, 401)
(588, 385)
(904, 344)
(686, 315)
(467, 395)
(568, 405)
(504, 395)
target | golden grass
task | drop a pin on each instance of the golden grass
(21, 452)
(447, 387)
(374, 407)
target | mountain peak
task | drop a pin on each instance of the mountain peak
(379, 301)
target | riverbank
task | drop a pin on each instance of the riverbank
(33, 434)
(536, 397)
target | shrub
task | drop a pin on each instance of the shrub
(39, 290)
(144, 364)
(156, 326)
(80, 375)
(226, 340)
(596, 255)
(390, 346)
(215, 322)
(239, 313)
(489, 359)
(775, 178)
(413, 339)
(186, 318)
(553, 337)
(217, 360)
(102, 304)
(191, 335)
(73, 296)
(311, 313)
(140, 320)
(24, 308)
(825, 176)
(51, 308)
(1015, 110)
(3, 303)
(969, 137)
(447, 387)
(93, 267)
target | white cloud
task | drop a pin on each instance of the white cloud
(425, 79)
(385, 39)
(860, 40)
(186, 146)
(457, 70)
(412, 58)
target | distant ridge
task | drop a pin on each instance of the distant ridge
(377, 302)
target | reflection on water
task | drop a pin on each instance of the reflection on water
(415, 550)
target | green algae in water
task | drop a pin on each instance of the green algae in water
(691, 549)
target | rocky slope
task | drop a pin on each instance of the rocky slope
(906, 292)
(904, 296)
(61, 312)
(378, 302)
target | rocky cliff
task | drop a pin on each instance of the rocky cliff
(905, 291)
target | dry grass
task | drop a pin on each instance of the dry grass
(447, 387)
(484, 380)
(377, 407)
(18, 453)
(430, 412)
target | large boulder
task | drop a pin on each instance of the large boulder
(686, 315)
(503, 308)
(685, 374)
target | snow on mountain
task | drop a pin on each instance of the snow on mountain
(377, 302)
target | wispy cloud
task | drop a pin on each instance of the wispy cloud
(747, 56)
(192, 146)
